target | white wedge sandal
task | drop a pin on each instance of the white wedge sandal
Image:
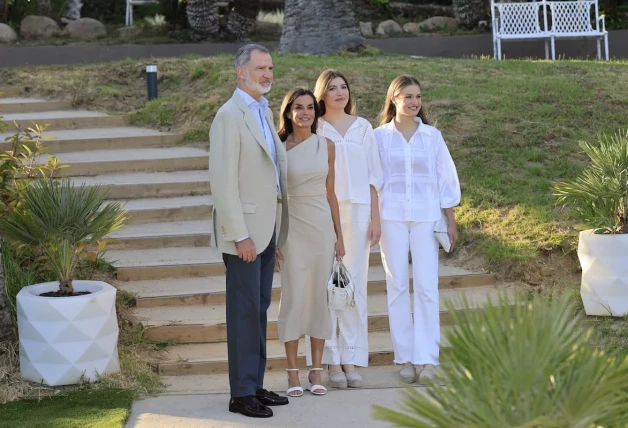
(314, 389)
(295, 389)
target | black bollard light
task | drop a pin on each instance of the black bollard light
(151, 81)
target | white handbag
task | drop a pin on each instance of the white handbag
(340, 288)
(440, 232)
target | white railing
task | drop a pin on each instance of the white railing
(548, 20)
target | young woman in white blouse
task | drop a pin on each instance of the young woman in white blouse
(358, 180)
(420, 185)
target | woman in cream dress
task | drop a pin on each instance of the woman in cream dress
(306, 259)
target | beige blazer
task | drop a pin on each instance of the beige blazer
(243, 180)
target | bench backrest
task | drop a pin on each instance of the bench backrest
(573, 16)
(518, 18)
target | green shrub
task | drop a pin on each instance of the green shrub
(527, 365)
(599, 195)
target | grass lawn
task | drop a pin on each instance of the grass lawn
(83, 409)
(513, 127)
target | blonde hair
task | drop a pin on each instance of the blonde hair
(322, 84)
(396, 86)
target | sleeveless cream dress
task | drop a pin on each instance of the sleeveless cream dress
(308, 254)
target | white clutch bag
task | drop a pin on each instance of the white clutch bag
(440, 232)
(340, 288)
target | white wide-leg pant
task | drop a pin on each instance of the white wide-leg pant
(414, 340)
(349, 343)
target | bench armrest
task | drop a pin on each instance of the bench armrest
(602, 18)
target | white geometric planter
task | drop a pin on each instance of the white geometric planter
(64, 338)
(604, 261)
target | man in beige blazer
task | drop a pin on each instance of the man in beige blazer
(247, 167)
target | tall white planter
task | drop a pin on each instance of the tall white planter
(64, 338)
(604, 261)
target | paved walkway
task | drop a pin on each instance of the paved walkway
(339, 408)
(429, 46)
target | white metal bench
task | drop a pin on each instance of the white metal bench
(548, 21)
(576, 20)
(129, 8)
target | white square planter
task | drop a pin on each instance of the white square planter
(604, 261)
(64, 338)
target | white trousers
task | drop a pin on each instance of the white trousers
(349, 343)
(414, 340)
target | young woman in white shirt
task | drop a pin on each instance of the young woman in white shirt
(358, 180)
(420, 185)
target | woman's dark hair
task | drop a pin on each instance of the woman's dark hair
(322, 84)
(285, 123)
(396, 86)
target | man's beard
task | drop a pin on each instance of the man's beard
(254, 86)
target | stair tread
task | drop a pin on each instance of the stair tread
(86, 133)
(163, 229)
(183, 256)
(206, 315)
(145, 178)
(379, 341)
(16, 100)
(216, 284)
(164, 203)
(54, 114)
(113, 155)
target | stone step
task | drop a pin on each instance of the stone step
(210, 290)
(373, 377)
(160, 210)
(192, 233)
(9, 92)
(206, 323)
(31, 105)
(72, 140)
(150, 185)
(193, 262)
(97, 162)
(211, 358)
(65, 119)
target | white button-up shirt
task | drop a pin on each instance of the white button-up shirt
(357, 164)
(420, 177)
(259, 111)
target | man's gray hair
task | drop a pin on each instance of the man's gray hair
(244, 54)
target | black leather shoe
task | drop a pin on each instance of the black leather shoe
(249, 406)
(270, 398)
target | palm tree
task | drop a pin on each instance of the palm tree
(242, 17)
(62, 220)
(203, 17)
(319, 27)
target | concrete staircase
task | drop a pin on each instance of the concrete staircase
(163, 253)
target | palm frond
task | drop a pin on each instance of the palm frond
(599, 195)
(519, 363)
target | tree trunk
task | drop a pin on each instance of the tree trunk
(44, 8)
(65, 287)
(319, 27)
(203, 17)
(242, 18)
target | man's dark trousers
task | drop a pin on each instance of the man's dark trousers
(249, 287)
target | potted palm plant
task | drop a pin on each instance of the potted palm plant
(599, 199)
(68, 328)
